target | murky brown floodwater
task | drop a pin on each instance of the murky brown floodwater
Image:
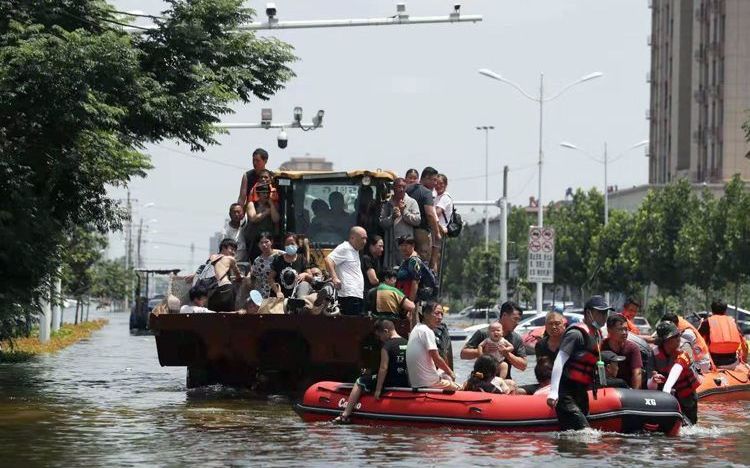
(106, 402)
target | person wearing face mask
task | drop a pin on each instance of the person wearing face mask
(289, 271)
(576, 365)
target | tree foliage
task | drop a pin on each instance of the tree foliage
(80, 98)
(81, 251)
(111, 280)
(612, 262)
(481, 272)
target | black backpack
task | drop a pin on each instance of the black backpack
(453, 225)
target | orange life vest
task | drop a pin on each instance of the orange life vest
(687, 382)
(724, 336)
(700, 343)
(581, 366)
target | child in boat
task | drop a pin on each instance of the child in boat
(484, 379)
(392, 371)
(495, 345)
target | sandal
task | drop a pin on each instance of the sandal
(342, 420)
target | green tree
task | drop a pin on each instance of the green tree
(733, 222)
(481, 273)
(612, 264)
(658, 223)
(79, 100)
(81, 251)
(697, 242)
(576, 226)
(111, 280)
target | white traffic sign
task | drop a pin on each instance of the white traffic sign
(541, 266)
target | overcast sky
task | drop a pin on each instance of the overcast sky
(408, 96)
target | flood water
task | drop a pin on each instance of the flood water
(107, 402)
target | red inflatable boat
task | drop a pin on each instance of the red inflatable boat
(615, 410)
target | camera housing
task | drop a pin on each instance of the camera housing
(282, 139)
(271, 10)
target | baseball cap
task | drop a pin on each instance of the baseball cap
(598, 303)
(610, 356)
(666, 330)
(405, 239)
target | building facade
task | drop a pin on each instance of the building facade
(700, 90)
(307, 163)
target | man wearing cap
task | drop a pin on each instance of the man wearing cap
(673, 370)
(575, 366)
(611, 367)
(252, 303)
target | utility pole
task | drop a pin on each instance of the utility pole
(486, 129)
(192, 257)
(56, 299)
(129, 250)
(45, 319)
(504, 239)
(138, 257)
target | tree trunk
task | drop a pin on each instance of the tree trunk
(736, 297)
(78, 304)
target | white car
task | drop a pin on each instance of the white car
(526, 325)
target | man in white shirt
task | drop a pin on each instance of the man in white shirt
(423, 362)
(344, 266)
(233, 230)
(444, 211)
(198, 299)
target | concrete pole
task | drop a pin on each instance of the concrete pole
(504, 239)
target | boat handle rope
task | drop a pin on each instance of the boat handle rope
(727, 371)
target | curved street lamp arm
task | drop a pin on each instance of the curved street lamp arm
(495, 76)
(575, 83)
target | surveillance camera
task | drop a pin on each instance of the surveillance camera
(282, 139)
(457, 7)
(270, 10)
(318, 118)
(297, 114)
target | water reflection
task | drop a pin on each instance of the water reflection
(107, 401)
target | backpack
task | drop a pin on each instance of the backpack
(205, 275)
(453, 225)
(428, 282)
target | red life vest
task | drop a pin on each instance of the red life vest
(723, 334)
(581, 366)
(686, 382)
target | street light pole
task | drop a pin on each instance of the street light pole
(606, 188)
(540, 99)
(486, 129)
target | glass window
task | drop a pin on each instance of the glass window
(325, 211)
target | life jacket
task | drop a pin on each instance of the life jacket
(581, 366)
(687, 382)
(723, 334)
(701, 348)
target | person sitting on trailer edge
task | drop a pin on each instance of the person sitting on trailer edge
(631, 369)
(723, 337)
(484, 377)
(510, 315)
(198, 298)
(575, 365)
(222, 297)
(392, 371)
(543, 374)
(425, 365)
(674, 372)
(387, 301)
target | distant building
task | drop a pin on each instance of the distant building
(700, 90)
(306, 163)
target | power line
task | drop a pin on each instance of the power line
(522, 167)
(190, 155)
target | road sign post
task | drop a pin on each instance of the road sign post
(541, 266)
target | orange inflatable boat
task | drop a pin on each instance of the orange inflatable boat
(615, 410)
(725, 384)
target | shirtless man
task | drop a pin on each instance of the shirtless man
(222, 299)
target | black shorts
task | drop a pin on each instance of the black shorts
(367, 382)
(221, 299)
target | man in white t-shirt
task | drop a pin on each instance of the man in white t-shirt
(198, 299)
(233, 230)
(423, 362)
(344, 266)
(444, 211)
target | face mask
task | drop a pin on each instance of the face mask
(318, 278)
(290, 249)
(596, 324)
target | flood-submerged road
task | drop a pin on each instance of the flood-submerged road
(107, 402)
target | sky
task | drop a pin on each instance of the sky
(397, 97)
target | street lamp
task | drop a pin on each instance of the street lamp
(486, 129)
(605, 161)
(540, 99)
